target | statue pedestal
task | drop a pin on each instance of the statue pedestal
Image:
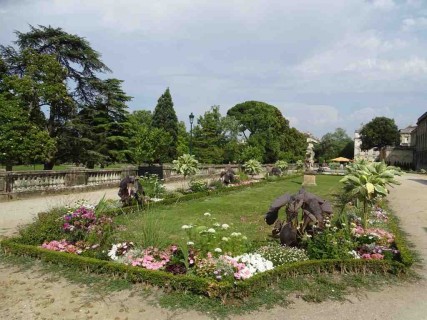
(309, 180)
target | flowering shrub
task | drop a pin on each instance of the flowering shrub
(83, 224)
(279, 255)
(79, 220)
(64, 246)
(119, 249)
(208, 235)
(255, 262)
(330, 243)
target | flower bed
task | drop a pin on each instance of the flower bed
(213, 257)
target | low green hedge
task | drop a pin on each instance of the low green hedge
(199, 285)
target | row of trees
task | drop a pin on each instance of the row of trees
(56, 108)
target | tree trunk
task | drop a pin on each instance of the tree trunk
(8, 167)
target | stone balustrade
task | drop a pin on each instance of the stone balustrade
(18, 184)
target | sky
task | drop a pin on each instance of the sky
(323, 63)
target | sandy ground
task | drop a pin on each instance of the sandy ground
(31, 294)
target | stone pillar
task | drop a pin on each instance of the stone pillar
(76, 177)
(309, 180)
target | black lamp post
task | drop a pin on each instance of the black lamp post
(191, 131)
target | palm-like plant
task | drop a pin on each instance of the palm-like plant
(252, 167)
(281, 164)
(365, 182)
(185, 165)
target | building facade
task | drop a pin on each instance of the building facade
(406, 136)
(421, 143)
(359, 154)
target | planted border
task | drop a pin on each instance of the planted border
(213, 288)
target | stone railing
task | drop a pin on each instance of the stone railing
(25, 183)
(17, 184)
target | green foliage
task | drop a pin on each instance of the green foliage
(186, 165)
(183, 139)
(300, 164)
(282, 165)
(21, 141)
(153, 186)
(335, 144)
(147, 144)
(103, 126)
(250, 152)
(379, 132)
(207, 234)
(331, 243)
(264, 128)
(57, 70)
(365, 182)
(209, 137)
(198, 185)
(164, 117)
(252, 167)
(46, 227)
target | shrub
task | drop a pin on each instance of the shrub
(282, 165)
(185, 165)
(46, 227)
(252, 167)
(153, 186)
(198, 185)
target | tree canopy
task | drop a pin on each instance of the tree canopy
(335, 144)
(379, 132)
(164, 117)
(267, 132)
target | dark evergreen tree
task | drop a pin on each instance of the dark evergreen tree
(209, 137)
(100, 127)
(78, 64)
(164, 117)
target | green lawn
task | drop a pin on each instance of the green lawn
(244, 210)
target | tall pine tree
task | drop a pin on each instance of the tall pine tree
(164, 117)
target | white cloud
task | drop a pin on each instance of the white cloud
(411, 24)
(383, 4)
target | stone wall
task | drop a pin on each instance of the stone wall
(399, 155)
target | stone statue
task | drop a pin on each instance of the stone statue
(309, 154)
(130, 188)
(228, 176)
(313, 210)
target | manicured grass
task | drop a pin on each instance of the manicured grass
(242, 209)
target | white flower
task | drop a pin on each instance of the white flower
(327, 225)
(334, 229)
(190, 243)
(225, 239)
(244, 238)
(225, 226)
(207, 214)
(211, 230)
(185, 227)
(236, 234)
(354, 254)
(217, 224)
(218, 250)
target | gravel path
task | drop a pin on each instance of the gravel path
(30, 294)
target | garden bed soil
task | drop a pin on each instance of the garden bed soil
(32, 294)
